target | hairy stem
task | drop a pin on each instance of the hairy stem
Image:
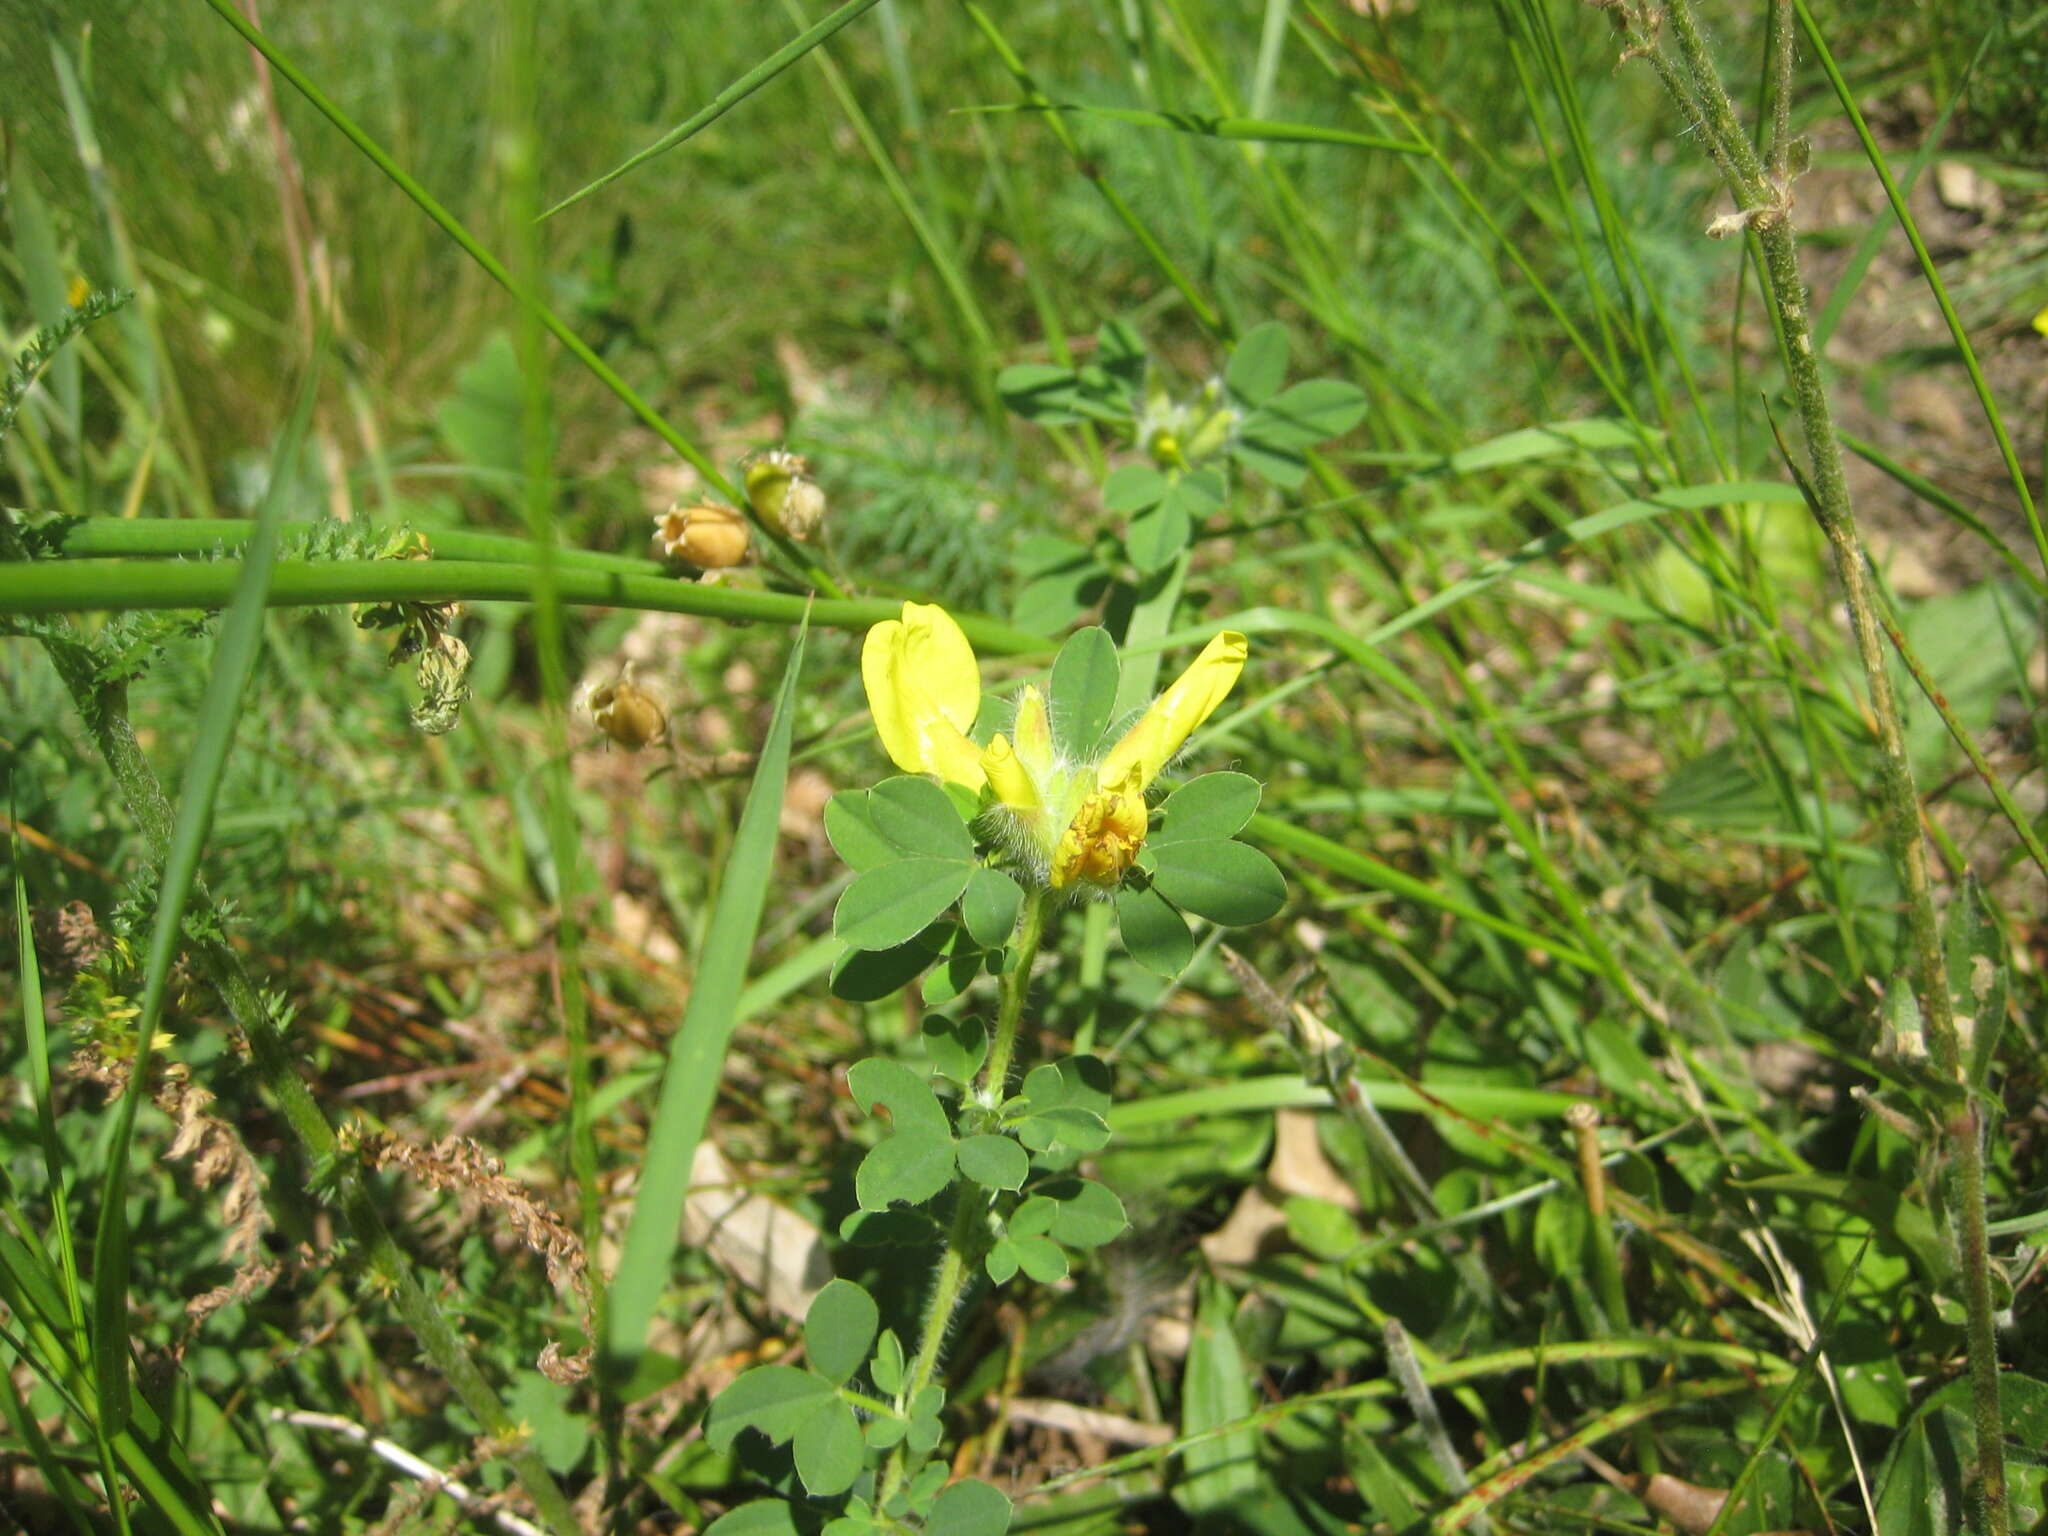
(1763, 199)
(995, 1082)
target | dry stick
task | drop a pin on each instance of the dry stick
(432, 1478)
(103, 707)
(1763, 199)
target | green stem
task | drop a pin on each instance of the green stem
(970, 1213)
(79, 586)
(104, 710)
(995, 1083)
(1764, 201)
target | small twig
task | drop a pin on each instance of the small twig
(1113, 1427)
(436, 1480)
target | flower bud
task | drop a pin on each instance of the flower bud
(780, 490)
(628, 713)
(443, 676)
(708, 535)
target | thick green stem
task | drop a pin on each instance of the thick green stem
(970, 1214)
(85, 586)
(1764, 204)
(104, 709)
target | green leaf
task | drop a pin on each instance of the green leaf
(775, 1399)
(1216, 1388)
(838, 1330)
(559, 1434)
(912, 1105)
(1322, 1227)
(884, 1433)
(1154, 933)
(480, 420)
(989, 907)
(1084, 1130)
(1258, 363)
(1047, 604)
(1085, 675)
(830, 1450)
(1034, 1217)
(850, 824)
(1285, 467)
(696, 1060)
(1001, 1261)
(1307, 414)
(1887, 1208)
(969, 1507)
(956, 1047)
(910, 1166)
(1977, 977)
(869, 975)
(918, 817)
(1227, 882)
(946, 982)
(1199, 493)
(1156, 538)
(763, 1517)
(1041, 1258)
(1926, 1483)
(1214, 805)
(887, 1370)
(1133, 488)
(1119, 354)
(892, 904)
(1072, 1082)
(995, 1162)
(1043, 393)
(1085, 1214)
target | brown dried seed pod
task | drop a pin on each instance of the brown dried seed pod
(708, 535)
(628, 714)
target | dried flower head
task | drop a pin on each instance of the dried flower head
(706, 534)
(627, 713)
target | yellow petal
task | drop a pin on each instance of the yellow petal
(924, 688)
(1175, 715)
(1033, 733)
(1006, 776)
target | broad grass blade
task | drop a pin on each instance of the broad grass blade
(697, 1054)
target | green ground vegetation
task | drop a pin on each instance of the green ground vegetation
(492, 1042)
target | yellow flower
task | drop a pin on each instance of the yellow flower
(924, 687)
(1069, 823)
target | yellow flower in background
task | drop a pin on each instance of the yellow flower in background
(1071, 823)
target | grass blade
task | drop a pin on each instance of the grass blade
(726, 99)
(234, 659)
(697, 1054)
(1243, 130)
